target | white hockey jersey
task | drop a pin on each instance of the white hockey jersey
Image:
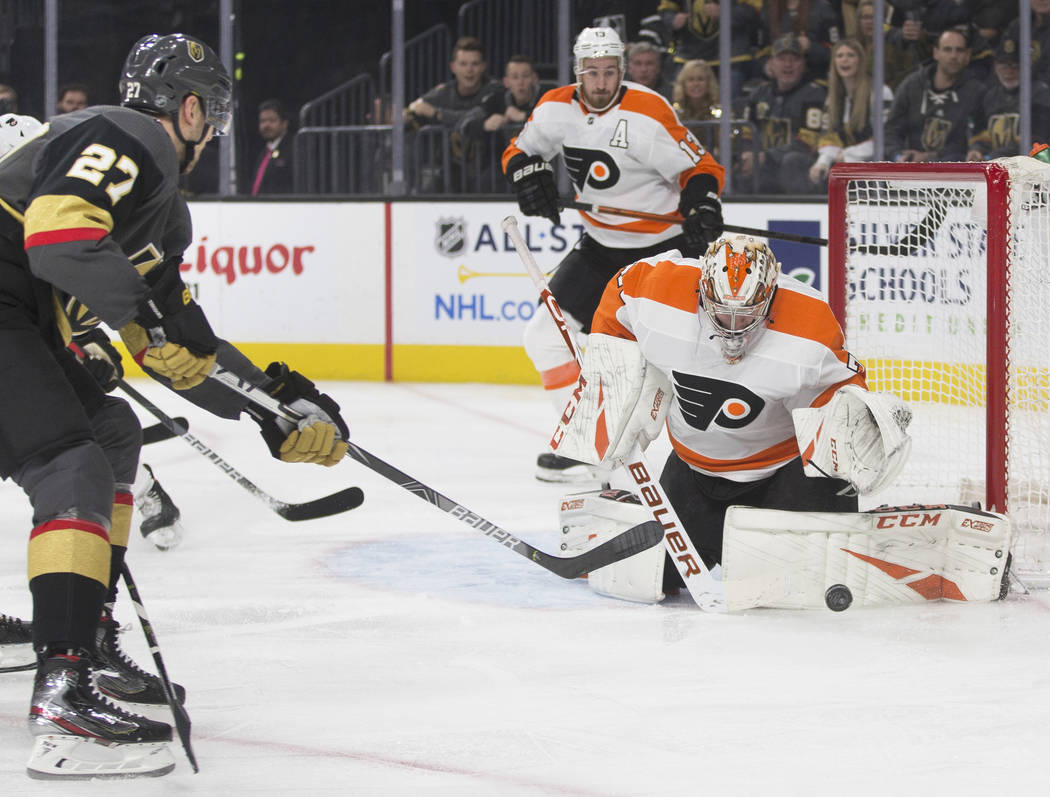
(634, 155)
(732, 421)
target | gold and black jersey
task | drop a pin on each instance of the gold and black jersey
(93, 204)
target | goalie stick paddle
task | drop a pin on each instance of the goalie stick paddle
(341, 501)
(634, 540)
(707, 593)
(674, 218)
(178, 711)
(158, 432)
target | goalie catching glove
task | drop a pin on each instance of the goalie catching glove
(618, 401)
(859, 436)
(320, 437)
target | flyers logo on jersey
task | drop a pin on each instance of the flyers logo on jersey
(704, 401)
(591, 168)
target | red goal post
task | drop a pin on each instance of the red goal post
(938, 274)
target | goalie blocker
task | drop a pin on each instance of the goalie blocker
(887, 556)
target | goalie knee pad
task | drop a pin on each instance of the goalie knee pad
(589, 519)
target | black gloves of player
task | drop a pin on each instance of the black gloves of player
(99, 356)
(701, 211)
(322, 434)
(532, 179)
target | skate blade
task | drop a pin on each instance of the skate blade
(63, 757)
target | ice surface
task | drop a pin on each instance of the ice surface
(394, 651)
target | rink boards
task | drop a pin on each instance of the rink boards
(410, 291)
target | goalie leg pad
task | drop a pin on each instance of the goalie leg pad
(888, 556)
(591, 518)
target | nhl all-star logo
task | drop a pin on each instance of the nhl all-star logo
(451, 237)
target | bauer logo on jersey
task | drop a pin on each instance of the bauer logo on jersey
(591, 168)
(451, 237)
(704, 401)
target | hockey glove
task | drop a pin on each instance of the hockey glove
(532, 179)
(321, 435)
(181, 345)
(701, 211)
(99, 356)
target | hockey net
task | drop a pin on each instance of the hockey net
(940, 276)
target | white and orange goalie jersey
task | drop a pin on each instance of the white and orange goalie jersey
(729, 420)
(635, 155)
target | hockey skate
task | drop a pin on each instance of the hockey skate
(118, 677)
(16, 649)
(81, 735)
(554, 468)
(160, 517)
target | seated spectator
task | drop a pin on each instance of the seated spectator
(71, 97)
(645, 67)
(1000, 106)
(1040, 41)
(695, 92)
(451, 104)
(273, 168)
(936, 107)
(904, 48)
(815, 24)
(788, 113)
(447, 103)
(692, 30)
(8, 99)
(509, 107)
(847, 135)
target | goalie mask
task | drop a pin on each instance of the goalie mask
(738, 278)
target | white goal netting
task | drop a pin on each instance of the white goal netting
(946, 275)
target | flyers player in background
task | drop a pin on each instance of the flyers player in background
(624, 147)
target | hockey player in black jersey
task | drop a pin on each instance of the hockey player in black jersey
(92, 228)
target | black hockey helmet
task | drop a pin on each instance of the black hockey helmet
(161, 70)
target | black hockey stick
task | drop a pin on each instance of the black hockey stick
(158, 432)
(674, 218)
(341, 501)
(19, 667)
(178, 711)
(635, 540)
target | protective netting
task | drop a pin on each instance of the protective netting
(917, 315)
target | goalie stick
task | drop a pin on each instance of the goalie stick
(341, 501)
(707, 593)
(674, 218)
(635, 540)
(178, 711)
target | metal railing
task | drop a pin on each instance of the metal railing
(509, 27)
(426, 65)
(352, 103)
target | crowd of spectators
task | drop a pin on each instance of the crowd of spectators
(798, 91)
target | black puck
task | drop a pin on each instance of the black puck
(838, 597)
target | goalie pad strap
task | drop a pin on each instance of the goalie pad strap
(887, 556)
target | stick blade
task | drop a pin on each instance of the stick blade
(342, 501)
(635, 540)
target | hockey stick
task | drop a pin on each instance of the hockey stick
(333, 504)
(182, 719)
(674, 218)
(708, 594)
(634, 540)
(158, 432)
